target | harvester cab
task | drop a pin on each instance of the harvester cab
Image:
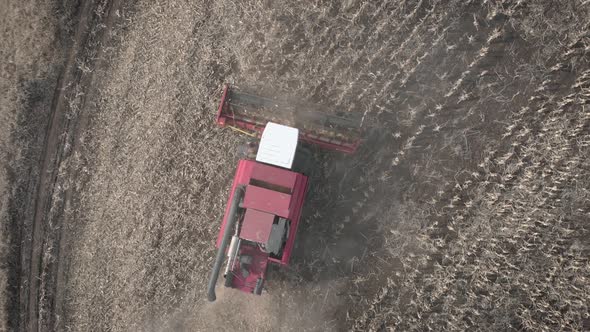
(267, 194)
(278, 145)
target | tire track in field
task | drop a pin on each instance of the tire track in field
(53, 149)
(41, 283)
(81, 123)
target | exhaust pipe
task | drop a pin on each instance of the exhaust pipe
(231, 220)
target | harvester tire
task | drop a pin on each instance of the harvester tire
(229, 278)
(303, 162)
(259, 286)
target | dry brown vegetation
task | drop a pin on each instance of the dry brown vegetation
(466, 208)
(31, 56)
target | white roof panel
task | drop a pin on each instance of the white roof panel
(278, 145)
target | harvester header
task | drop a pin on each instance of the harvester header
(249, 113)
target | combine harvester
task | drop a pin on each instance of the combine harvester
(269, 188)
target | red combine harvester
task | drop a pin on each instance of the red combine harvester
(269, 187)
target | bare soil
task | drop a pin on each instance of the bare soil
(465, 208)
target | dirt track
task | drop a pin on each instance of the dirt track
(41, 269)
(467, 107)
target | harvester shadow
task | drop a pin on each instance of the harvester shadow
(339, 224)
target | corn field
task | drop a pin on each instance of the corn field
(465, 208)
